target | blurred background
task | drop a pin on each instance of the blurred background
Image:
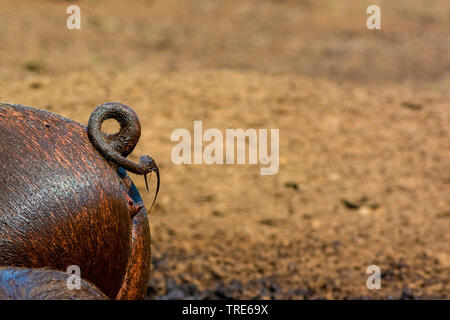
(363, 114)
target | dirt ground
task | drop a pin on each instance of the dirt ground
(364, 116)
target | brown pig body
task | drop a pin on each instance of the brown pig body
(63, 203)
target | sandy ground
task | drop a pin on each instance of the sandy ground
(364, 175)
